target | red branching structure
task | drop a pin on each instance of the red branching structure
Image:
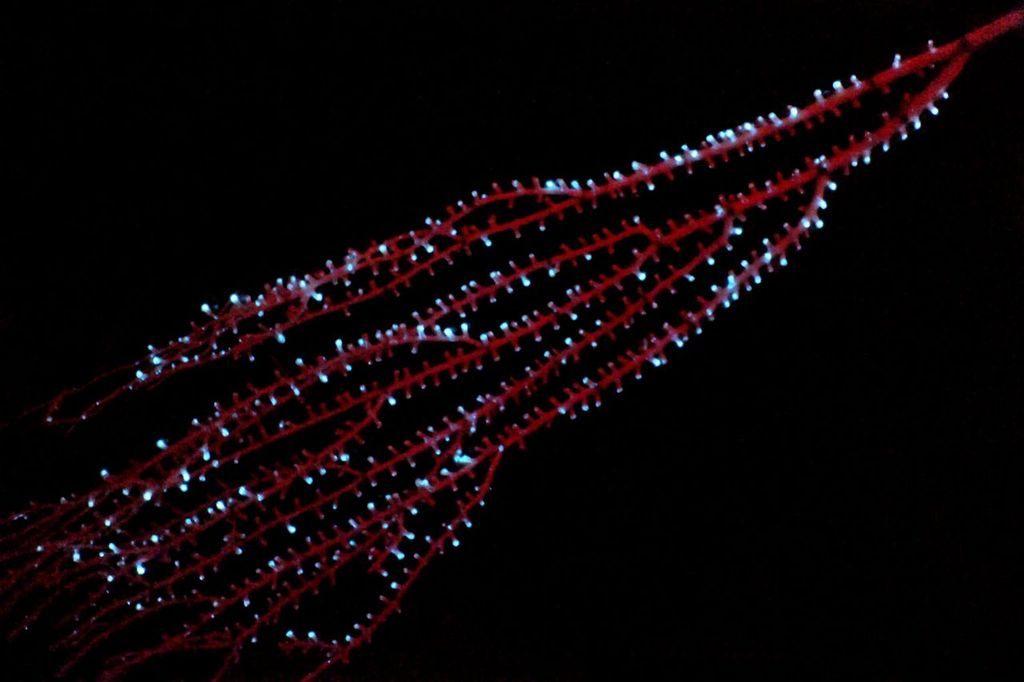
(214, 542)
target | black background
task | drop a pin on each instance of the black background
(826, 486)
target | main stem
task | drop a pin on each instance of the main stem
(1001, 26)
